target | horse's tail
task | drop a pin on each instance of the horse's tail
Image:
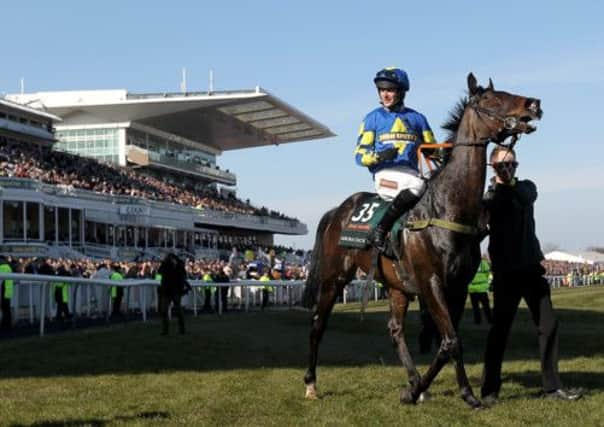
(313, 281)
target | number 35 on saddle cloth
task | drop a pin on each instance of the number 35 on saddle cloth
(364, 219)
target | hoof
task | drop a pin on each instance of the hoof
(407, 397)
(424, 397)
(473, 402)
(311, 392)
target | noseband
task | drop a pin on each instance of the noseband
(510, 123)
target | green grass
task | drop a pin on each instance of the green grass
(247, 369)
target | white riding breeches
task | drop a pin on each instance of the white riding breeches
(389, 182)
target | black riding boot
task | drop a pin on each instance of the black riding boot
(404, 201)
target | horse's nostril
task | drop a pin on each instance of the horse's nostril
(533, 105)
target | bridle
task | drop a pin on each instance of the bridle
(509, 123)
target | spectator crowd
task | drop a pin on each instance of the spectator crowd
(43, 164)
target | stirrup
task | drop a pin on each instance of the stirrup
(377, 238)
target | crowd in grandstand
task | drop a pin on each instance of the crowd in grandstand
(59, 168)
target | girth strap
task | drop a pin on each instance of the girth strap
(420, 224)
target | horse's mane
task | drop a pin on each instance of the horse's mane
(451, 124)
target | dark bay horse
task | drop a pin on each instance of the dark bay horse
(439, 262)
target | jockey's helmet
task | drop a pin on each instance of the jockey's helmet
(392, 78)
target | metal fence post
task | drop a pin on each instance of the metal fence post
(31, 303)
(143, 299)
(194, 300)
(43, 300)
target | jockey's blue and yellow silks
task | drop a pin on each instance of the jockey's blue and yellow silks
(382, 129)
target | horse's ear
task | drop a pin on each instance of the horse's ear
(472, 84)
(491, 87)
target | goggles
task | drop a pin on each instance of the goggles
(387, 74)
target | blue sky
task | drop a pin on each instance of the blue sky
(321, 57)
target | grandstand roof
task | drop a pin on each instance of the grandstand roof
(27, 109)
(225, 120)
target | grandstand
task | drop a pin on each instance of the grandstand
(130, 176)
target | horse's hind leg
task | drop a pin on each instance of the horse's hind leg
(327, 298)
(399, 302)
(450, 346)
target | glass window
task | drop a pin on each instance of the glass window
(89, 232)
(76, 218)
(13, 220)
(49, 223)
(101, 234)
(110, 234)
(63, 224)
(129, 236)
(33, 220)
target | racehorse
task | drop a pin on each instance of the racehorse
(440, 259)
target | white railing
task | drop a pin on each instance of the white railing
(91, 295)
(141, 294)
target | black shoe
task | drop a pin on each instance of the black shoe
(564, 394)
(490, 400)
(377, 238)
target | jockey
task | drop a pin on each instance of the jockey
(387, 144)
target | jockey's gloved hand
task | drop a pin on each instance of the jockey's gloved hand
(387, 154)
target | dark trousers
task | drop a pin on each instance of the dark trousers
(221, 292)
(62, 307)
(266, 295)
(207, 302)
(508, 289)
(117, 302)
(7, 322)
(478, 299)
(164, 305)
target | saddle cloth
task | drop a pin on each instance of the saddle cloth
(364, 219)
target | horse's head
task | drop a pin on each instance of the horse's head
(502, 114)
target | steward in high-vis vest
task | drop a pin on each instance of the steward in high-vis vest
(117, 292)
(266, 289)
(61, 294)
(7, 290)
(479, 292)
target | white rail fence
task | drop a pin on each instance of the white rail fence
(34, 301)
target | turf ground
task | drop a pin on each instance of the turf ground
(247, 369)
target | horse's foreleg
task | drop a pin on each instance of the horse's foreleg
(457, 302)
(450, 346)
(399, 303)
(325, 304)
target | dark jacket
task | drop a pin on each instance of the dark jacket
(513, 244)
(46, 269)
(173, 276)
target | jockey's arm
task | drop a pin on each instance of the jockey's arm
(365, 154)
